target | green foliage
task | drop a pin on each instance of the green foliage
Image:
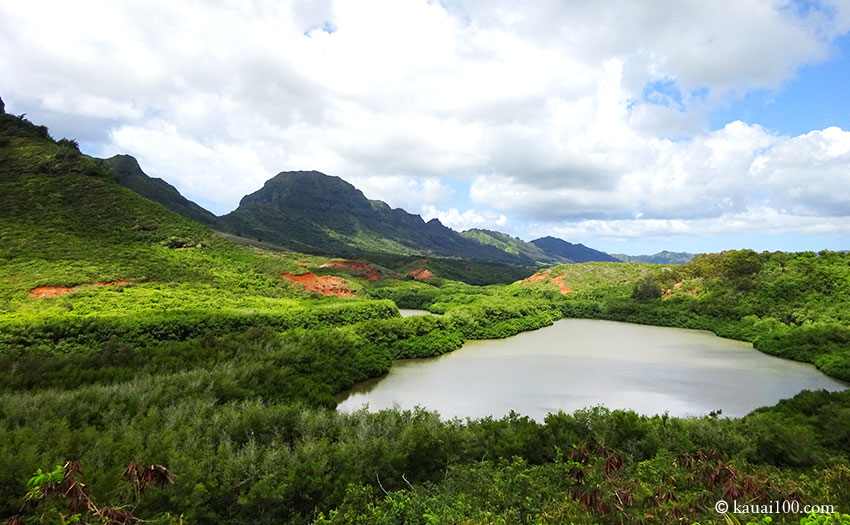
(646, 290)
(209, 362)
(826, 519)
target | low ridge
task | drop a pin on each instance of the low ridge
(578, 253)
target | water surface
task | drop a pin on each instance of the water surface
(578, 363)
(407, 312)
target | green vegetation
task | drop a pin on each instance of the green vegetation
(317, 213)
(130, 175)
(514, 245)
(210, 365)
(664, 257)
(793, 305)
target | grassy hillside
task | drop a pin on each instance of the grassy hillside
(513, 245)
(212, 364)
(130, 175)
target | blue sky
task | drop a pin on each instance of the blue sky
(817, 97)
(628, 126)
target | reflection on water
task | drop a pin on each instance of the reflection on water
(579, 363)
(406, 312)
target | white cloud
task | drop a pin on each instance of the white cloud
(455, 219)
(542, 108)
(763, 220)
(412, 194)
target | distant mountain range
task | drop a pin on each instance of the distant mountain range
(316, 213)
(578, 253)
(664, 257)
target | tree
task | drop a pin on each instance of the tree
(646, 290)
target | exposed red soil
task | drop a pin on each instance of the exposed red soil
(422, 273)
(325, 284)
(667, 293)
(302, 263)
(559, 280)
(47, 292)
(546, 274)
(44, 292)
(279, 256)
(112, 283)
(364, 271)
(537, 277)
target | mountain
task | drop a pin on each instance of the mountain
(514, 245)
(664, 257)
(65, 220)
(574, 252)
(130, 175)
(318, 213)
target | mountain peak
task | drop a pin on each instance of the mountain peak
(575, 252)
(131, 176)
(312, 211)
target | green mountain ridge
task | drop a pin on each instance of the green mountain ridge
(130, 175)
(317, 213)
(325, 214)
(514, 245)
(578, 253)
(663, 257)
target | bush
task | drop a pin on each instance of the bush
(646, 290)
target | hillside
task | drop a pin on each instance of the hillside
(187, 380)
(130, 175)
(514, 245)
(663, 257)
(578, 253)
(317, 213)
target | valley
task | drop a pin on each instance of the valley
(132, 333)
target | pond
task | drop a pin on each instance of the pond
(579, 363)
(406, 312)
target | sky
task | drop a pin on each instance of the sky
(629, 126)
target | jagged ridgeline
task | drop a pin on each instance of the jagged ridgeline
(312, 211)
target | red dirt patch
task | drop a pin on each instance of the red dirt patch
(279, 256)
(45, 292)
(537, 277)
(302, 263)
(677, 285)
(325, 284)
(422, 273)
(559, 280)
(364, 271)
(546, 274)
